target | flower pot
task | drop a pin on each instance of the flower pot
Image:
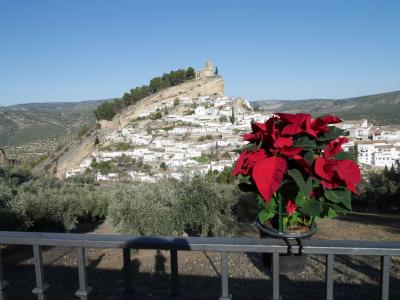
(288, 263)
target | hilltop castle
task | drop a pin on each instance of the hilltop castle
(208, 70)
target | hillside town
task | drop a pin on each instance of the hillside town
(185, 135)
(181, 135)
(376, 146)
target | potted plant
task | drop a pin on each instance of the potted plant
(298, 168)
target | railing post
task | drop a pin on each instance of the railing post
(128, 289)
(275, 276)
(84, 289)
(41, 285)
(175, 292)
(329, 276)
(385, 277)
(224, 277)
(3, 282)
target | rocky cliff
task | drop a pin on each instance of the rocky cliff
(207, 86)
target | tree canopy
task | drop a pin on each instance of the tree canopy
(107, 110)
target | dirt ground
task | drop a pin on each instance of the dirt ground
(354, 277)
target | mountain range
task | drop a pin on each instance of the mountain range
(380, 109)
(26, 123)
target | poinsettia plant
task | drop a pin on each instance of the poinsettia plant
(299, 169)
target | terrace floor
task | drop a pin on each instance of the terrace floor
(355, 277)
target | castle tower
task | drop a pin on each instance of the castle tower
(207, 70)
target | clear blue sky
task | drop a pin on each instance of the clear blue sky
(78, 50)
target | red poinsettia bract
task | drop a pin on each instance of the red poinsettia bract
(275, 142)
(338, 173)
(290, 207)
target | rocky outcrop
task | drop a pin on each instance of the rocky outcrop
(207, 86)
(69, 156)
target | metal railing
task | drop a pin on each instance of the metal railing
(329, 248)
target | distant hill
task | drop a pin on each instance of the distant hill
(27, 123)
(380, 109)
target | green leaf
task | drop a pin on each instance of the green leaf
(309, 157)
(300, 200)
(333, 133)
(331, 213)
(293, 219)
(344, 155)
(339, 196)
(304, 187)
(264, 216)
(328, 212)
(304, 141)
(336, 208)
(271, 206)
(316, 182)
(285, 222)
(311, 207)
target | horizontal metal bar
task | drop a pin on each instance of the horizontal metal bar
(346, 247)
(142, 242)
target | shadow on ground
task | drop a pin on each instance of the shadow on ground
(109, 284)
(389, 221)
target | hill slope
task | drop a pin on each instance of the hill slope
(381, 109)
(33, 122)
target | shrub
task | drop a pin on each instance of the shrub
(205, 206)
(168, 207)
(47, 202)
(145, 209)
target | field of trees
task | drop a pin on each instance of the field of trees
(206, 204)
(202, 204)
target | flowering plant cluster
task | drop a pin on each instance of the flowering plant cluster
(297, 165)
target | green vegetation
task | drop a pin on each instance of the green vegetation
(29, 203)
(205, 137)
(104, 167)
(169, 127)
(155, 116)
(37, 122)
(199, 204)
(84, 131)
(204, 158)
(123, 147)
(196, 205)
(382, 190)
(163, 166)
(223, 119)
(107, 110)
